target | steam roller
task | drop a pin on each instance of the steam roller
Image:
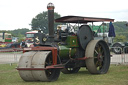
(64, 50)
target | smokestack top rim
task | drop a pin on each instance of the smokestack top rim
(50, 6)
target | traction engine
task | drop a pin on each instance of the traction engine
(64, 51)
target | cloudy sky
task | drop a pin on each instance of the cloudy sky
(16, 14)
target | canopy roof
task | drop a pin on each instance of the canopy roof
(80, 19)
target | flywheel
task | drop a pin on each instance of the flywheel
(98, 57)
(85, 35)
(39, 59)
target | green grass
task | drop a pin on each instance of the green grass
(117, 75)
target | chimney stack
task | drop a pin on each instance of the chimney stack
(50, 8)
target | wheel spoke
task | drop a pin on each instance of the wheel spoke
(100, 57)
(96, 52)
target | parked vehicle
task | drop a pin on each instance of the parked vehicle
(5, 38)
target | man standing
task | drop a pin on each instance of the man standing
(22, 44)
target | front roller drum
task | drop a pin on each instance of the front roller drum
(98, 57)
(36, 60)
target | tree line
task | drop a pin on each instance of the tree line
(40, 22)
(121, 31)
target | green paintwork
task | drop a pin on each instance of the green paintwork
(95, 28)
(72, 41)
(64, 51)
(68, 50)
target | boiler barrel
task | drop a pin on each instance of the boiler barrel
(65, 52)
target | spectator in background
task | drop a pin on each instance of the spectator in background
(22, 44)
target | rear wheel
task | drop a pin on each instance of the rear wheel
(98, 54)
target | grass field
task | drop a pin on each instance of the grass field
(117, 75)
